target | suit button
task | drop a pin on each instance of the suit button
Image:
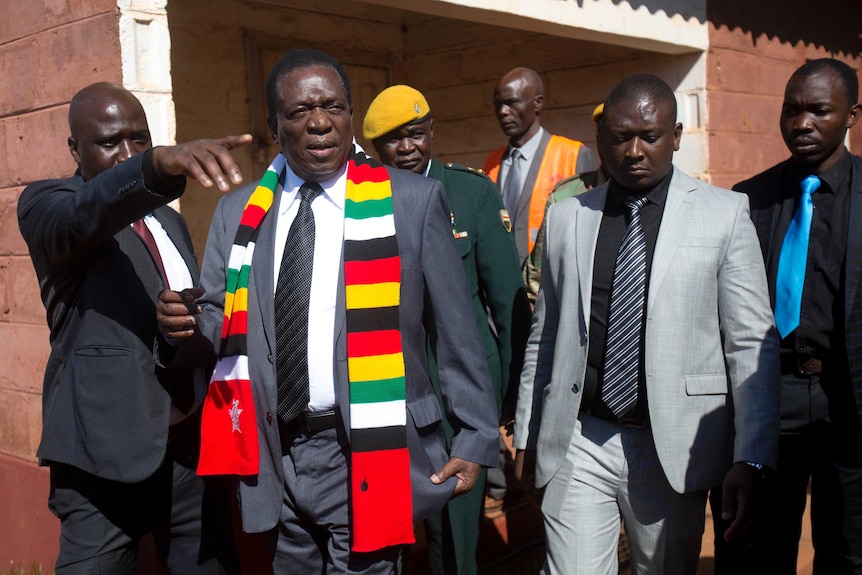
(269, 358)
(576, 388)
(268, 417)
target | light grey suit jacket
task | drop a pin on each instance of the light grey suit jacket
(711, 349)
(434, 297)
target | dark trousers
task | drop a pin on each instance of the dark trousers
(820, 442)
(313, 533)
(103, 521)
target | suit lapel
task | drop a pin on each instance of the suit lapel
(854, 237)
(674, 221)
(532, 174)
(587, 223)
(263, 271)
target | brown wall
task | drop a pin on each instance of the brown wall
(753, 51)
(48, 50)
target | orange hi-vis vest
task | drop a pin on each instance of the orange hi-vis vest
(559, 162)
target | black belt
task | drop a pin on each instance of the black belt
(626, 422)
(791, 364)
(313, 421)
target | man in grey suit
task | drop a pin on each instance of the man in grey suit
(302, 490)
(653, 326)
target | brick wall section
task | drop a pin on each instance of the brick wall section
(747, 70)
(49, 49)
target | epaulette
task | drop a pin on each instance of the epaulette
(460, 168)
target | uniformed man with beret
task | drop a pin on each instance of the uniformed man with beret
(400, 127)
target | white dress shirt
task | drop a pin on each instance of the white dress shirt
(328, 209)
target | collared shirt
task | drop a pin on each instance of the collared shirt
(328, 209)
(615, 221)
(179, 278)
(528, 152)
(821, 319)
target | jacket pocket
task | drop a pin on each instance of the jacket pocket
(709, 384)
(425, 411)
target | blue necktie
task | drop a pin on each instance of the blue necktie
(791, 262)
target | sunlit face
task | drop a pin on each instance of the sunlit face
(517, 107)
(637, 141)
(314, 122)
(108, 131)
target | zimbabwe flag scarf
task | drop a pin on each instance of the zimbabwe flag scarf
(381, 496)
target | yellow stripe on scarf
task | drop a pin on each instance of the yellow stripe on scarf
(364, 296)
(368, 191)
(374, 367)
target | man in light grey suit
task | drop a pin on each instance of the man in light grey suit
(639, 423)
(301, 492)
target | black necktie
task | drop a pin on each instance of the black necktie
(622, 354)
(292, 295)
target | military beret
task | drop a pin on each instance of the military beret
(597, 113)
(394, 107)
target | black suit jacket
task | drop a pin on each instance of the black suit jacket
(764, 195)
(105, 405)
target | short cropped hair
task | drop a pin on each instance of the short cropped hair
(296, 60)
(641, 87)
(846, 75)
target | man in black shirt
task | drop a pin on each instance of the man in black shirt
(821, 346)
(651, 371)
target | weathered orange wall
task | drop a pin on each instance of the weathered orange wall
(48, 50)
(754, 48)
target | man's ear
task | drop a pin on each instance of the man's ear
(273, 128)
(431, 127)
(73, 149)
(677, 136)
(855, 114)
(538, 103)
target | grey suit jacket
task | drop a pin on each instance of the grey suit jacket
(435, 305)
(711, 350)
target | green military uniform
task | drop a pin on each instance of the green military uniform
(566, 188)
(482, 232)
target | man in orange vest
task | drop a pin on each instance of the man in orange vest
(534, 161)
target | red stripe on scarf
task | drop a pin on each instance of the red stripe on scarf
(367, 173)
(382, 500)
(365, 343)
(252, 216)
(238, 324)
(372, 272)
(224, 450)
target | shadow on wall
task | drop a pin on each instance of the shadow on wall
(830, 24)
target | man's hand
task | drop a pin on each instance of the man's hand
(206, 161)
(176, 312)
(465, 471)
(525, 469)
(739, 493)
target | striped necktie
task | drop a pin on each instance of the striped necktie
(292, 296)
(625, 319)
